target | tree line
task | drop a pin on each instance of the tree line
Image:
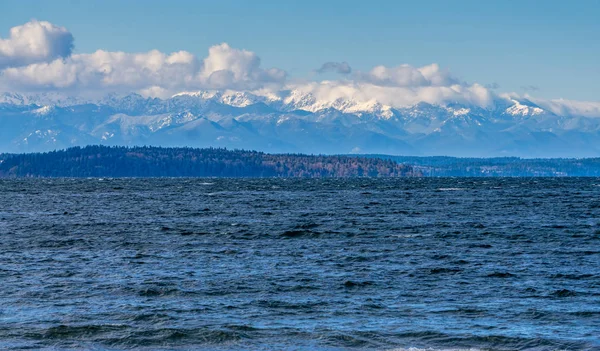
(118, 161)
(443, 166)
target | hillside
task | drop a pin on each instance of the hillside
(103, 161)
(442, 166)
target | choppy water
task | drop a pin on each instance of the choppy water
(225, 264)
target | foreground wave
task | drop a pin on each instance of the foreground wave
(243, 337)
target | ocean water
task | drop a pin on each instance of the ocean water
(289, 264)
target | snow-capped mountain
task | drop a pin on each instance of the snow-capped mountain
(293, 121)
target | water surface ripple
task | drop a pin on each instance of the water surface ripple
(289, 264)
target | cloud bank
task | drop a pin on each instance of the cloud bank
(38, 56)
(153, 72)
(564, 107)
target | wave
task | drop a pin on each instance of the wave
(243, 337)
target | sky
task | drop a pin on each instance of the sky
(546, 49)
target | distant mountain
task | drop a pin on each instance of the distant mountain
(293, 121)
(444, 166)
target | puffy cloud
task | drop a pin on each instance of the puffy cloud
(151, 73)
(408, 76)
(400, 86)
(226, 67)
(107, 70)
(35, 41)
(337, 67)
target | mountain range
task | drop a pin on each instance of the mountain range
(293, 122)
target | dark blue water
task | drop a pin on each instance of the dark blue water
(224, 264)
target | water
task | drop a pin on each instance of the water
(233, 264)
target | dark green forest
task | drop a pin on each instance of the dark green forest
(103, 161)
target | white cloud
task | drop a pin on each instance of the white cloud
(564, 107)
(408, 76)
(226, 67)
(400, 86)
(149, 73)
(560, 107)
(37, 56)
(35, 41)
(398, 96)
(104, 70)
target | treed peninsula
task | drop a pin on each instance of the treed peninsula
(147, 161)
(104, 161)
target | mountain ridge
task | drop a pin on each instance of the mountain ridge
(293, 121)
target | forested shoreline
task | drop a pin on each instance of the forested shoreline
(146, 161)
(104, 161)
(445, 166)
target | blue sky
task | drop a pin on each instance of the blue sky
(550, 49)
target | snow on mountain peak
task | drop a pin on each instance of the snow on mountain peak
(299, 100)
(292, 100)
(45, 110)
(460, 112)
(203, 94)
(518, 109)
(282, 101)
(231, 98)
(357, 107)
(12, 98)
(240, 99)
